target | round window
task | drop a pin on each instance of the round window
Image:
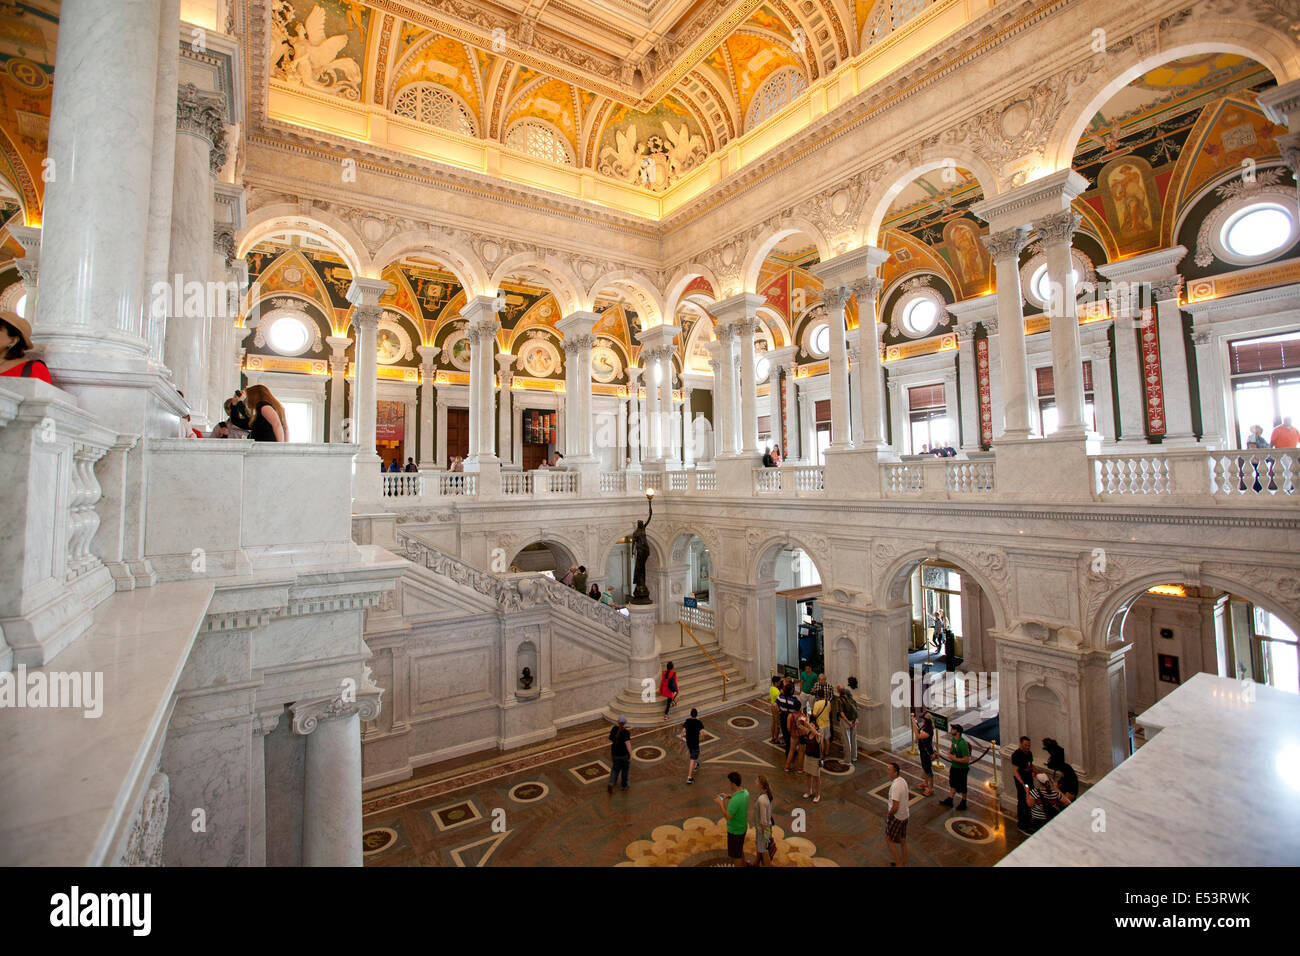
(1258, 230)
(920, 316)
(288, 336)
(1042, 285)
(762, 368)
(821, 339)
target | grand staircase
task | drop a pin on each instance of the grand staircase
(699, 681)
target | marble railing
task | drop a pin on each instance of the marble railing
(1256, 473)
(1132, 475)
(457, 484)
(516, 483)
(902, 478)
(51, 572)
(970, 476)
(402, 484)
(1247, 475)
(514, 593)
(798, 480)
(699, 617)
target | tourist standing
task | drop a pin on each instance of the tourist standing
(594, 593)
(736, 810)
(411, 466)
(691, 734)
(1067, 781)
(1022, 763)
(796, 727)
(812, 764)
(619, 754)
(925, 747)
(958, 768)
(266, 415)
(846, 712)
(1285, 435)
(580, 579)
(807, 681)
(1044, 801)
(567, 580)
(773, 700)
(896, 821)
(1257, 439)
(668, 687)
(763, 838)
(821, 718)
(788, 704)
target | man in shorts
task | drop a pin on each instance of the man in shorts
(691, 734)
(958, 768)
(736, 811)
(896, 822)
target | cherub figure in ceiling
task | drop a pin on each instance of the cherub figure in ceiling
(303, 53)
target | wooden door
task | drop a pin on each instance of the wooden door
(457, 433)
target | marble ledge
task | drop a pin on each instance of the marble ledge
(71, 777)
(231, 446)
(1218, 785)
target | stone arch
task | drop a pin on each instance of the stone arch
(562, 551)
(638, 288)
(682, 536)
(758, 252)
(685, 275)
(556, 277)
(934, 157)
(1267, 46)
(287, 217)
(891, 583)
(460, 261)
(1109, 616)
(762, 553)
(659, 550)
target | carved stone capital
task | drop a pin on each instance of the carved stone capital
(1058, 227)
(367, 316)
(1006, 244)
(1167, 288)
(200, 113)
(223, 241)
(836, 298)
(867, 289)
(307, 715)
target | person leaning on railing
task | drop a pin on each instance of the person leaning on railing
(15, 343)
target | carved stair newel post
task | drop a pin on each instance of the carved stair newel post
(331, 819)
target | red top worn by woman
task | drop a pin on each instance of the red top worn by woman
(32, 369)
(15, 341)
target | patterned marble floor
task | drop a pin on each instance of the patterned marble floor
(549, 807)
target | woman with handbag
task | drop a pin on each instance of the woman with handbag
(763, 838)
(668, 687)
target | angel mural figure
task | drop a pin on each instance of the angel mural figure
(304, 54)
(624, 162)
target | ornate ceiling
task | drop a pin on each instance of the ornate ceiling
(639, 90)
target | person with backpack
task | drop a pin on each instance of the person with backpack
(668, 687)
(787, 703)
(925, 747)
(1067, 781)
(619, 754)
(821, 718)
(691, 734)
(812, 764)
(797, 727)
(846, 712)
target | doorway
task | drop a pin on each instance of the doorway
(457, 433)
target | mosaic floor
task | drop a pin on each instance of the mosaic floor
(549, 807)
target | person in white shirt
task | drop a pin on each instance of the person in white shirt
(896, 822)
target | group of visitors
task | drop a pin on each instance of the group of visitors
(772, 457)
(939, 451)
(1042, 792)
(456, 464)
(576, 578)
(395, 467)
(805, 724)
(251, 412)
(1285, 435)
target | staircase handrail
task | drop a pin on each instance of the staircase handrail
(685, 628)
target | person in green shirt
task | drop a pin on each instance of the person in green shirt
(736, 810)
(958, 768)
(808, 680)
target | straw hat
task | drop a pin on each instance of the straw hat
(19, 325)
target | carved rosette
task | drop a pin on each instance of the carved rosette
(1007, 244)
(1058, 227)
(308, 715)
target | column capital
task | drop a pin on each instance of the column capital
(576, 343)
(307, 715)
(480, 308)
(577, 323)
(367, 292)
(964, 333)
(867, 288)
(1167, 288)
(633, 373)
(724, 333)
(1282, 104)
(736, 308)
(428, 355)
(851, 267)
(338, 344)
(1006, 244)
(1059, 226)
(1289, 146)
(835, 298)
(506, 362)
(201, 113)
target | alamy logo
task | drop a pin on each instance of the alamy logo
(102, 909)
(75, 689)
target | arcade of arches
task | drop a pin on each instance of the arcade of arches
(966, 377)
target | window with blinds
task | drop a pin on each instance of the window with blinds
(1274, 353)
(925, 396)
(1046, 387)
(823, 411)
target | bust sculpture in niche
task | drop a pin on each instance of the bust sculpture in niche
(526, 679)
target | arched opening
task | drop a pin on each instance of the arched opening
(687, 582)
(795, 633)
(548, 557)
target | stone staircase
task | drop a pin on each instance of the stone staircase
(698, 681)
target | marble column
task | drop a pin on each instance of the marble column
(158, 237)
(950, 402)
(899, 417)
(90, 315)
(657, 347)
(1056, 231)
(636, 420)
(331, 818)
(726, 411)
(996, 405)
(505, 406)
(855, 400)
(654, 448)
(970, 391)
(364, 294)
(1210, 360)
(1102, 397)
(200, 154)
(871, 398)
(338, 377)
(666, 401)
(621, 435)
(793, 449)
(748, 386)
(428, 461)
(1128, 374)
(807, 428)
(441, 433)
(688, 430)
(480, 314)
(263, 724)
(835, 298)
(578, 342)
(1175, 381)
(29, 237)
(1004, 248)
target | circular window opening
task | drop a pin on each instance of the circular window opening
(1042, 285)
(762, 368)
(288, 336)
(1257, 230)
(920, 316)
(821, 339)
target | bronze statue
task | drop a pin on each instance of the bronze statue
(641, 551)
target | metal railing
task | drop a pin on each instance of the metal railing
(686, 630)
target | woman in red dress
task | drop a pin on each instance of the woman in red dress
(15, 342)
